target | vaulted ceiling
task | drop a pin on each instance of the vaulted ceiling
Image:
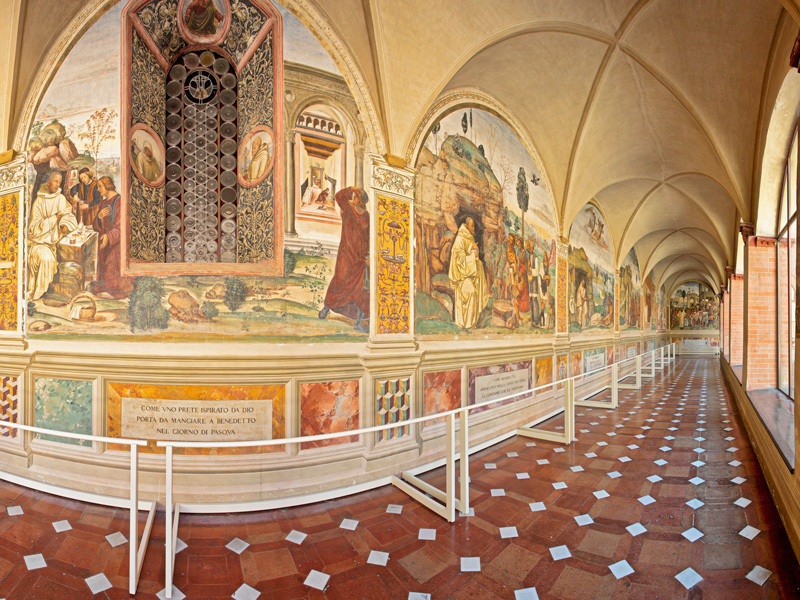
(656, 110)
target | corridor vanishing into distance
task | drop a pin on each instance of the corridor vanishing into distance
(660, 498)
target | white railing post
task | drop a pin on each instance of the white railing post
(614, 385)
(653, 363)
(450, 469)
(638, 371)
(170, 556)
(464, 465)
(569, 410)
(133, 573)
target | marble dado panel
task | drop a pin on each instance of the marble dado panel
(216, 394)
(63, 405)
(9, 404)
(329, 407)
(441, 392)
(481, 379)
(393, 405)
(544, 370)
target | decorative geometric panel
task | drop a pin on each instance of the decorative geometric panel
(9, 230)
(393, 406)
(63, 405)
(9, 399)
(394, 285)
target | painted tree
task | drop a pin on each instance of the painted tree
(97, 129)
(523, 196)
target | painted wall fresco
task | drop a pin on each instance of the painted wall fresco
(591, 273)
(649, 304)
(394, 266)
(9, 405)
(393, 405)
(210, 393)
(81, 292)
(63, 405)
(693, 306)
(329, 407)
(630, 293)
(610, 355)
(442, 392)
(9, 253)
(485, 229)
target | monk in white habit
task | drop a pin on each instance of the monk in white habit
(260, 161)
(51, 219)
(467, 277)
(147, 164)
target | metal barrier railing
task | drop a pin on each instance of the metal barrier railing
(443, 503)
(137, 548)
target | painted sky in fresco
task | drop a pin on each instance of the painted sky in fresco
(579, 237)
(88, 79)
(500, 141)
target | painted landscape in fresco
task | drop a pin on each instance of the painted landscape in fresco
(650, 304)
(485, 230)
(77, 288)
(591, 272)
(693, 306)
(630, 293)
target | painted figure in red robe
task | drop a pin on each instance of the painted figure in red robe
(348, 292)
(110, 283)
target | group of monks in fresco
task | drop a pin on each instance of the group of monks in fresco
(523, 277)
(92, 205)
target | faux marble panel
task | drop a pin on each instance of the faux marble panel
(211, 393)
(442, 392)
(544, 370)
(329, 407)
(576, 364)
(63, 405)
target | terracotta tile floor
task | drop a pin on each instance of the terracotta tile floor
(650, 528)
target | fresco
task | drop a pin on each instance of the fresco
(693, 306)
(77, 289)
(629, 302)
(591, 273)
(485, 229)
(212, 393)
(63, 405)
(650, 304)
(442, 392)
(329, 407)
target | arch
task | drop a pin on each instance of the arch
(612, 249)
(475, 98)
(782, 124)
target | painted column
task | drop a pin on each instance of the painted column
(12, 202)
(392, 358)
(562, 286)
(289, 144)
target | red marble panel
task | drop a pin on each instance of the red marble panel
(329, 407)
(442, 392)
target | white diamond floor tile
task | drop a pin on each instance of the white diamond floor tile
(688, 578)
(427, 534)
(176, 594)
(378, 558)
(508, 532)
(621, 569)
(98, 583)
(759, 575)
(526, 594)
(636, 529)
(646, 500)
(537, 506)
(470, 564)
(61, 526)
(560, 552)
(692, 534)
(600, 494)
(695, 503)
(116, 539)
(349, 524)
(245, 592)
(236, 545)
(317, 580)
(35, 561)
(749, 532)
(296, 537)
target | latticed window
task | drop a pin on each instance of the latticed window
(201, 145)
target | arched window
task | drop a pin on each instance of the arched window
(201, 150)
(786, 248)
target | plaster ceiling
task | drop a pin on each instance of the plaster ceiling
(655, 109)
